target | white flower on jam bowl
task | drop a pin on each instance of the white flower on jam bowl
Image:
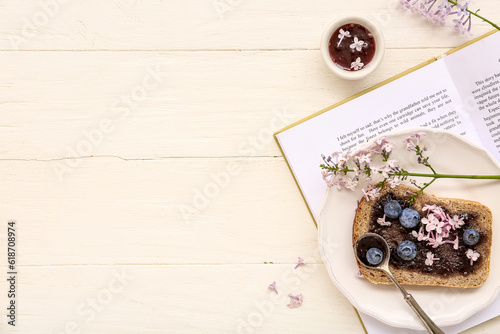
(446, 306)
(352, 47)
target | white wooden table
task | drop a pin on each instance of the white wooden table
(137, 160)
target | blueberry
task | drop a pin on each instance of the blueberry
(409, 218)
(407, 250)
(374, 256)
(392, 209)
(471, 237)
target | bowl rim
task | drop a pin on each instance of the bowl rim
(379, 46)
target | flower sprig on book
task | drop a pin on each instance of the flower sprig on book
(438, 10)
(346, 169)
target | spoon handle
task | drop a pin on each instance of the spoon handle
(426, 320)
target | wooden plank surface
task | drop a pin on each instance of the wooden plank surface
(138, 162)
(168, 104)
(209, 24)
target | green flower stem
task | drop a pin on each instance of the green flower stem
(451, 176)
(477, 15)
(405, 174)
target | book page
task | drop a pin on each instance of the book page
(476, 73)
(426, 97)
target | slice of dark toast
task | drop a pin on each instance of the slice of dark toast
(480, 218)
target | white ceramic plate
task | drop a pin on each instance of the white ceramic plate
(449, 153)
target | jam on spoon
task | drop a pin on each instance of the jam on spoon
(363, 245)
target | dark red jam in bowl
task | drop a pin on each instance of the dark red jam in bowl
(352, 47)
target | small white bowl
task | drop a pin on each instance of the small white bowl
(377, 57)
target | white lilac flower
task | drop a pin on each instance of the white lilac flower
(439, 213)
(456, 221)
(383, 222)
(357, 65)
(357, 44)
(472, 255)
(295, 300)
(343, 34)
(394, 182)
(430, 259)
(350, 184)
(388, 147)
(364, 157)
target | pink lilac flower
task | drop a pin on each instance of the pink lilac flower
(430, 259)
(439, 213)
(435, 241)
(272, 287)
(301, 262)
(430, 222)
(420, 235)
(357, 44)
(456, 221)
(383, 222)
(357, 65)
(438, 225)
(295, 300)
(472, 255)
(358, 274)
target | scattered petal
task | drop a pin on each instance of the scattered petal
(383, 222)
(430, 259)
(272, 287)
(301, 262)
(295, 300)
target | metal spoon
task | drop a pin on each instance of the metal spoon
(369, 240)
